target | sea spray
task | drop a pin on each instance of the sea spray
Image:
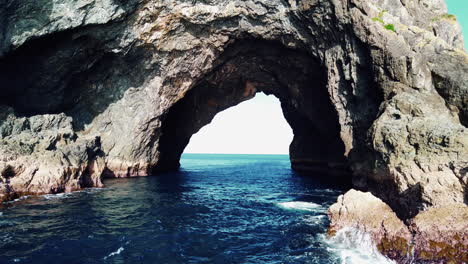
(117, 252)
(355, 247)
(301, 206)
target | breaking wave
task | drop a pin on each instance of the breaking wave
(301, 206)
(17, 199)
(355, 247)
(117, 252)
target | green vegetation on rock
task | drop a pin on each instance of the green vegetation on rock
(450, 16)
(390, 27)
(445, 16)
(379, 19)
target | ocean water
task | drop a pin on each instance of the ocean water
(216, 209)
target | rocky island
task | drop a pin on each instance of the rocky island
(373, 89)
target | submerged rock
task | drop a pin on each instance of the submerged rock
(376, 89)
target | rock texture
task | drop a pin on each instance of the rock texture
(369, 214)
(438, 235)
(113, 88)
(441, 234)
(42, 154)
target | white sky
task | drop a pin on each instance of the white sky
(256, 126)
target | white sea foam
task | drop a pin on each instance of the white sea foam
(18, 199)
(315, 219)
(302, 206)
(117, 252)
(355, 247)
(55, 196)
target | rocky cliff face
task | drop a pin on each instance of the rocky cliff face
(115, 88)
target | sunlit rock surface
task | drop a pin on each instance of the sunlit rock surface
(365, 212)
(441, 234)
(437, 235)
(94, 89)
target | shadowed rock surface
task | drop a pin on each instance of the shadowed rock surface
(94, 89)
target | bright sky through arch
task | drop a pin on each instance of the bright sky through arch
(256, 126)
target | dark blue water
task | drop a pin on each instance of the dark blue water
(217, 209)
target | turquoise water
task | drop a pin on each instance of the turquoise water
(216, 209)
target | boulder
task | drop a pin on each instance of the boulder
(436, 235)
(365, 212)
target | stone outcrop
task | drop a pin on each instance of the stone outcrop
(376, 89)
(438, 235)
(42, 154)
(441, 234)
(369, 214)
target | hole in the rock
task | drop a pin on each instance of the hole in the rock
(296, 78)
(8, 172)
(396, 116)
(256, 126)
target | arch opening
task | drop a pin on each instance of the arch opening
(255, 126)
(246, 67)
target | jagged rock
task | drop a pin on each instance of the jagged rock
(425, 154)
(437, 235)
(369, 214)
(441, 234)
(375, 88)
(41, 154)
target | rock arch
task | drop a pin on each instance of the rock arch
(250, 66)
(98, 92)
